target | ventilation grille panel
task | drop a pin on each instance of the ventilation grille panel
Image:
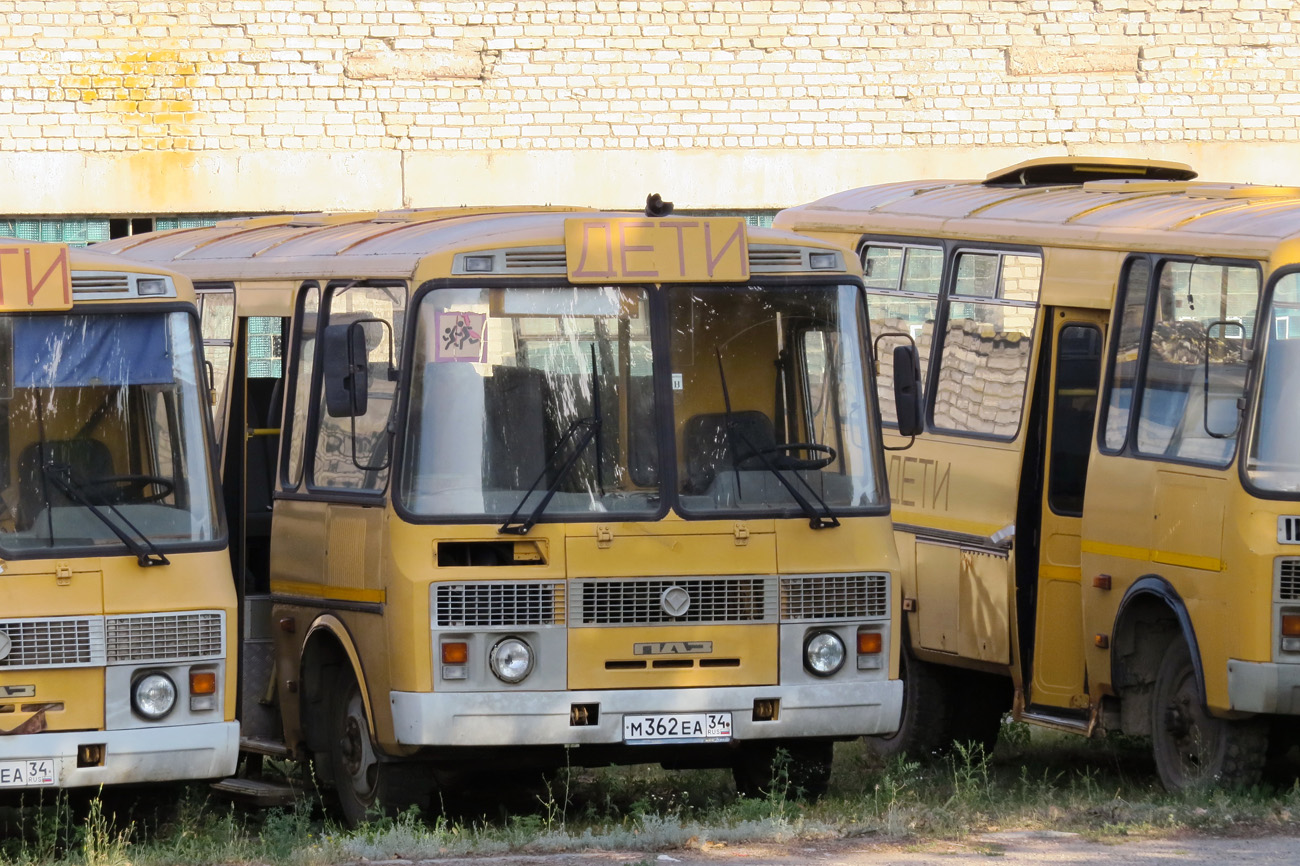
(540, 260)
(712, 600)
(498, 604)
(765, 259)
(101, 284)
(166, 637)
(834, 596)
(53, 642)
(1288, 578)
(1288, 530)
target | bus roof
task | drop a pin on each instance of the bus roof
(81, 274)
(1154, 210)
(373, 245)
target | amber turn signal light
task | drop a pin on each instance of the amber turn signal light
(455, 653)
(869, 642)
(203, 683)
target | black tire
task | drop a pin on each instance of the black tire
(1192, 748)
(796, 769)
(925, 728)
(364, 785)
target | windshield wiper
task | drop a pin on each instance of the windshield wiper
(61, 476)
(584, 430)
(826, 519)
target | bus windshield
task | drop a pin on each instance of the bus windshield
(773, 407)
(102, 433)
(1274, 461)
(520, 394)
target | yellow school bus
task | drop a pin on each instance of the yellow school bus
(117, 609)
(1101, 514)
(526, 487)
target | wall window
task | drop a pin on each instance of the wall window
(903, 285)
(987, 343)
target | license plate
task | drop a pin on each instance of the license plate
(678, 728)
(23, 774)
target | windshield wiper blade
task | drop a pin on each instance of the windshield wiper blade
(590, 428)
(826, 519)
(145, 551)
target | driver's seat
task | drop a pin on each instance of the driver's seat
(710, 449)
(90, 459)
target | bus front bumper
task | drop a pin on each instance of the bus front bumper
(158, 754)
(543, 718)
(1264, 687)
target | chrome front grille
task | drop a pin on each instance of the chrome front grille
(157, 637)
(641, 601)
(498, 603)
(1288, 578)
(53, 642)
(834, 596)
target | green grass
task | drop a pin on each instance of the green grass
(1102, 789)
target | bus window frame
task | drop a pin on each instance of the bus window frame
(1247, 431)
(287, 487)
(952, 248)
(662, 392)
(1129, 448)
(308, 489)
(220, 528)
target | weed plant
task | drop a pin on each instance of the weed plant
(1037, 780)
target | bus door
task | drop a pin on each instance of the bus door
(1077, 337)
(252, 444)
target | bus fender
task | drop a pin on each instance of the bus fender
(1146, 590)
(329, 628)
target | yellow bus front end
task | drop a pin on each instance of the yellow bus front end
(116, 602)
(610, 493)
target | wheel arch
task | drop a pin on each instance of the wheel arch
(1150, 616)
(329, 643)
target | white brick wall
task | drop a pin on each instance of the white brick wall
(532, 77)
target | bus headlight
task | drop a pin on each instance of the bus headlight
(153, 696)
(511, 659)
(823, 653)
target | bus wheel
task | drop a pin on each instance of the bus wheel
(925, 727)
(364, 783)
(1193, 748)
(791, 769)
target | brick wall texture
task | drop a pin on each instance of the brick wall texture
(516, 75)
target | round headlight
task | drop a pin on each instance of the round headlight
(823, 653)
(154, 695)
(511, 659)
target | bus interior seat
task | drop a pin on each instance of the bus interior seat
(89, 459)
(707, 442)
(515, 420)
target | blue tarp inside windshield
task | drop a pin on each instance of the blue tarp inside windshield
(76, 351)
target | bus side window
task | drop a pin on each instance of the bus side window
(902, 298)
(984, 360)
(354, 453)
(1175, 401)
(1133, 293)
(299, 393)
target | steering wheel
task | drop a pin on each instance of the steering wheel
(783, 455)
(116, 489)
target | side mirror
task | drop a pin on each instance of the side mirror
(907, 390)
(346, 372)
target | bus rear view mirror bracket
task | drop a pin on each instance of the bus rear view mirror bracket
(907, 387)
(1243, 358)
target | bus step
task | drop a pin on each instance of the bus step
(259, 746)
(257, 792)
(1072, 722)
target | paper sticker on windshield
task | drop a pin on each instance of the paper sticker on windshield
(461, 336)
(34, 277)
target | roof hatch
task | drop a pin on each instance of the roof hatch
(1068, 170)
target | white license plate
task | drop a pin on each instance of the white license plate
(677, 728)
(23, 774)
